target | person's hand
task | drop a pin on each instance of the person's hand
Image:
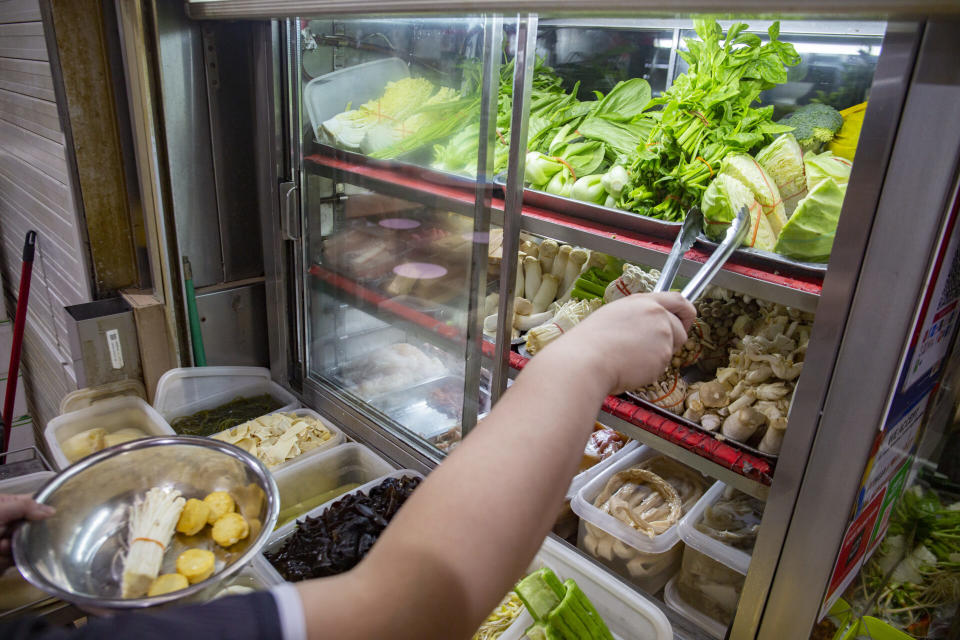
(633, 339)
(13, 508)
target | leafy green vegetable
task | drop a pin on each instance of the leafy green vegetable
(589, 189)
(749, 172)
(814, 125)
(721, 204)
(706, 114)
(826, 166)
(809, 233)
(783, 160)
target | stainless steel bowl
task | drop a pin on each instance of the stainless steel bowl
(77, 555)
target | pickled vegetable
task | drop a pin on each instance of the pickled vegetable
(238, 411)
(734, 519)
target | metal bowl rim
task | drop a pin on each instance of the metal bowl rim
(39, 581)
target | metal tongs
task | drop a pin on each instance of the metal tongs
(692, 226)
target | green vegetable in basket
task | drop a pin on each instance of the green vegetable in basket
(809, 233)
(561, 611)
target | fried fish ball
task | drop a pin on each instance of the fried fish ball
(220, 504)
(167, 583)
(230, 529)
(194, 517)
(196, 565)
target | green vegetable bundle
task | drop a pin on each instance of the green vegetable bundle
(561, 611)
(706, 114)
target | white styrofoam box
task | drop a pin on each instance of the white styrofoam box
(307, 477)
(736, 559)
(676, 602)
(628, 615)
(280, 535)
(21, 437)
(329, 94)
(187, 390)
(19, 398)
(30, 483)
(112, 415)
(336, 437)
(646, 562)
(586, 475)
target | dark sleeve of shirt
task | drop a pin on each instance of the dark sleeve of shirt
(246, 617)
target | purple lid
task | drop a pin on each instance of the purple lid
(420, 270)
(399, 223)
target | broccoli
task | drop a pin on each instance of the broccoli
(814, 125)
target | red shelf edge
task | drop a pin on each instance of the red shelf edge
(706, 446)
(805, 284)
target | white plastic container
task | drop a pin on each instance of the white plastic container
(336, 437)
(280, 535)
(644, 561)
(329, 94)
(736, 559)
(721, 591)
(628, 615)
(586, 475)
(83, 398)
(702, 620)
(112, 415)
(258, 575)
(305, 478)
(187, 390)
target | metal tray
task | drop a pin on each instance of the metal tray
(769, 261)
(425, 174)
(604, 215)
(693, 425)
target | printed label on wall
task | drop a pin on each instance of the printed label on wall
(116, 351)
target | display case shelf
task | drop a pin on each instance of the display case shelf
(438, 189)
(751, 474)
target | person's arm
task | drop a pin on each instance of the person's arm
(467, 534)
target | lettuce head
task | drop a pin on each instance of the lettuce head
(809, 233)
(721, 202)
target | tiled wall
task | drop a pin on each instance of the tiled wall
(35, 194)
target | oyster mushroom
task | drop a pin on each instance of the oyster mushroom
(743, 423)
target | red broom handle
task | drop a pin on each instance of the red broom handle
(26, 271)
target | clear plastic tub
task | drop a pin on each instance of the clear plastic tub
(305, 480)
(677, 603)
(736, 559)
(708, 588)
(187, 390)
(111, 415)
(336, 438)
(586, 475)
(15, 592)
(646, 562)
(256, 576)
(627, 613)
(83, 398)
(280, 535)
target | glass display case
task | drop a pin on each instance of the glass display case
(458, 190)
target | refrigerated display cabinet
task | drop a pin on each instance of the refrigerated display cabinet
(391, 232)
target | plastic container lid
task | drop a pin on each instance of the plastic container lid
(83, 398)
(336, 437)
(280, 535)
(673, 599)
(112, 415)
(329, 94)
(307, 477)
(586, 475)
(184, 391)
(627, 613)
(582, 505)
(734, 558)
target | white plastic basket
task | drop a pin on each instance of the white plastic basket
(336, 437)
(734, 558)
(187, 390)
(628, 614)
(280, 535)
(112, 415)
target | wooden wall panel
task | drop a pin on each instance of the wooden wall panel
(35, 193)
